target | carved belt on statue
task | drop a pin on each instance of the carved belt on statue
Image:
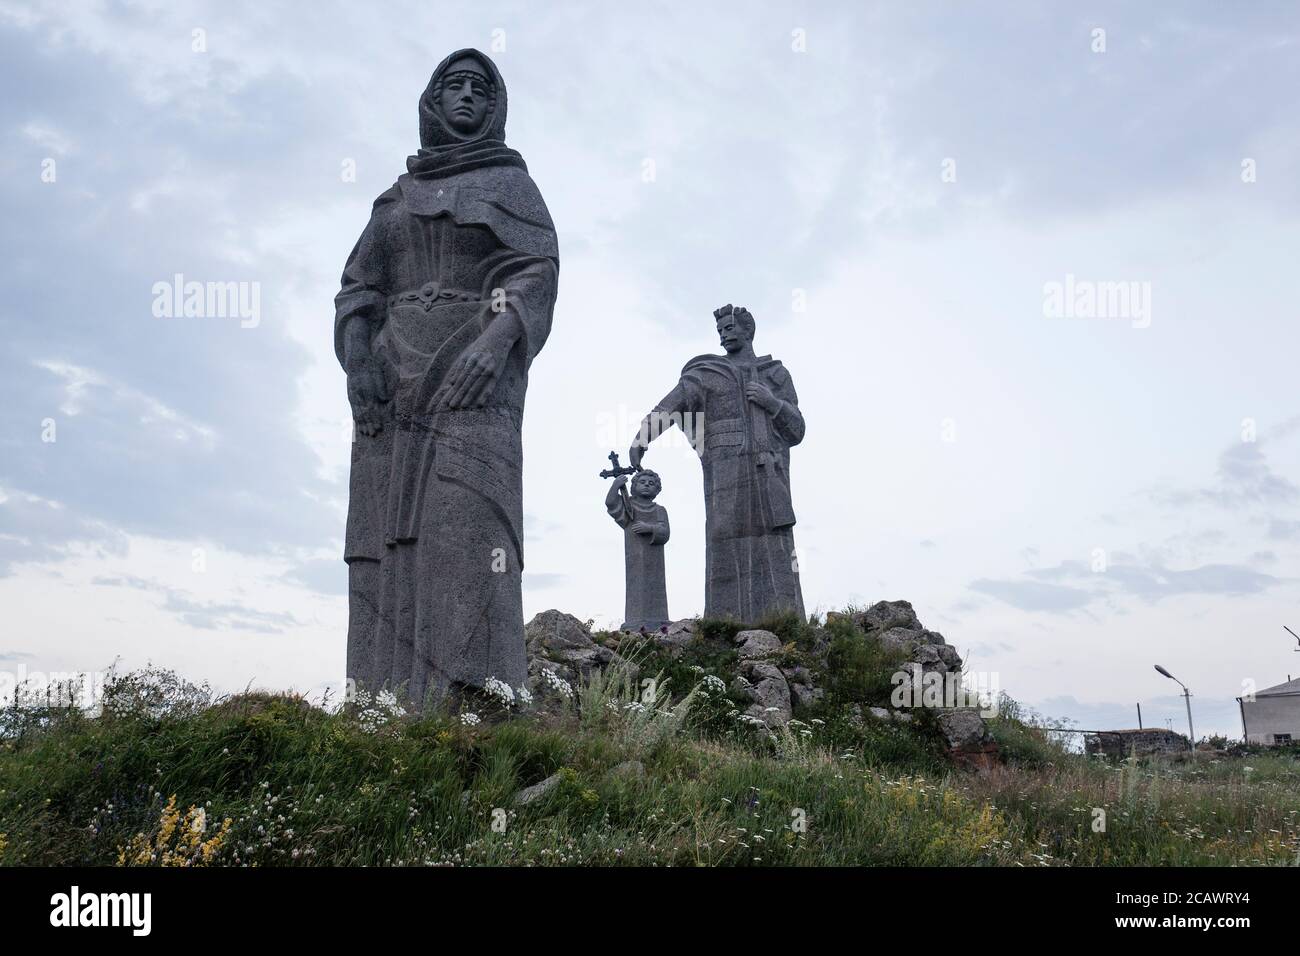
(431, 294)
(731, 433)
(724, 433)
(426, 329)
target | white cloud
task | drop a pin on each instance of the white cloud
(83, 386)
(49, 138)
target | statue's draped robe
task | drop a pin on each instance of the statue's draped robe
(434, 539)
(751, 569)
(646, 598)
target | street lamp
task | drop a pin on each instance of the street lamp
(1187, 699)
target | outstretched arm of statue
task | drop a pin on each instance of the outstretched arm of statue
(640, 442)
(667, 413)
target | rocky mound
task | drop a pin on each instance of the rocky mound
(769, 678)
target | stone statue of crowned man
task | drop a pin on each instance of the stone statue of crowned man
(741, 414)
(446, 300)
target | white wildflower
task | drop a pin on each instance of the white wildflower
(503, 692)
(557, 683)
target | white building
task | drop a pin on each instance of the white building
(1273, 717)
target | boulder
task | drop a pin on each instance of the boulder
(884, 713)
(926, 654)
(543, 688)
(757, 671)
(805, 695)
(803, 692)
(970, 745)
(963, 729)
(740, 689)
(896, 626)
(884, 615)
(676, 636)
(757, 643)
(797, 675)
(766, 687)
(537, 791)
(948, 654)
(900, 638)
(567, 642)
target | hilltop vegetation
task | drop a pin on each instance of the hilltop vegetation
(597, 774)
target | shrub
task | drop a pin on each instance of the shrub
(637, 711)
(859, 669)
(1023, 736)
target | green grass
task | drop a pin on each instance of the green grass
(857, 669)
(306, 785)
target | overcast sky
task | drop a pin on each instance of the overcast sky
(891, 189)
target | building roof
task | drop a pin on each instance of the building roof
(1290, 689)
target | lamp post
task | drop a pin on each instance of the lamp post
(1187, 699)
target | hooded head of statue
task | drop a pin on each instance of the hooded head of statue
(465, 102)
(462, 138)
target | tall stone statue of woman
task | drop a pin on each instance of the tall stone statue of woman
(446, 300)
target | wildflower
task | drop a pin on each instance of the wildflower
(557, 683)
(713, 685)
(503, 692)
